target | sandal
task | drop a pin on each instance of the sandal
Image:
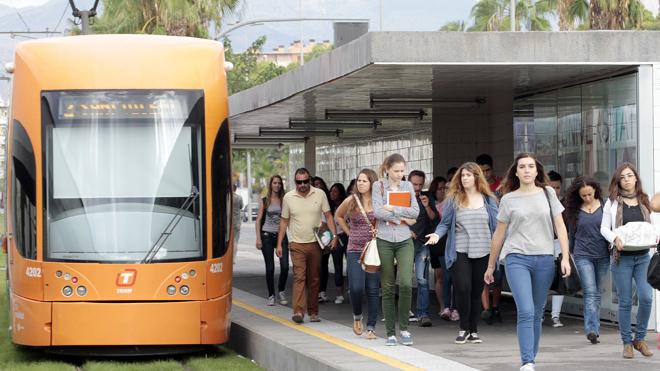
(357, 327)
(371, 334)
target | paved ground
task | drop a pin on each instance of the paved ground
(561, 348)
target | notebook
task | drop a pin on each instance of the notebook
(398, 198)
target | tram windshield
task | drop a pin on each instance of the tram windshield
(123, 175)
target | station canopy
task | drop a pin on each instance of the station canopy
(385, 74)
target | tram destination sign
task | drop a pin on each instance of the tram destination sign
(123, 106)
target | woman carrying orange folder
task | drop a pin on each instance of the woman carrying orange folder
(394, 242)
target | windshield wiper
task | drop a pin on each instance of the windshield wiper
(169, 228)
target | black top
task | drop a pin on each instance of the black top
(633, 214)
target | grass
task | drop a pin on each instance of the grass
(16, 358)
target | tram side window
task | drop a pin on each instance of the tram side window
(24, 201)
(221, 191)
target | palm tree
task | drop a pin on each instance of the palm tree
(494, 15)
(454, 26)
(490, 15)
(165, 17)
(570, 12)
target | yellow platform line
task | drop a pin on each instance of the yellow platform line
(329, 338)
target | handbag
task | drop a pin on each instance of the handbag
(653, 274)
(369, 258)
(637, 235)
(563, 285)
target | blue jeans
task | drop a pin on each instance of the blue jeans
(623, 273)
(421, 274)
(592, 272)
(357, 278)
(530, 277)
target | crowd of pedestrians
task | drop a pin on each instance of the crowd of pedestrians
(471, 228)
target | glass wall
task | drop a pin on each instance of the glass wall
(342, 162)
(581, 130)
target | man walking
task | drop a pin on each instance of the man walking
(425, 225)
(301, 213)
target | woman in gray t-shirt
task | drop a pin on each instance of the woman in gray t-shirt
(528, 212)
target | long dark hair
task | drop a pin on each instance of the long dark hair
(280, 194)
(511, 181)
(573, 201)
(615, 188)
(342, 194)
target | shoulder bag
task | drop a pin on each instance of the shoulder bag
(369, 259)
(563, 285)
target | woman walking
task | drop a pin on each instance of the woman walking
(627, 202)
(529, 211)
(469, 220)
(584, 214)
(267, 225)
(360, 229)
(395, 243)
(337, 196)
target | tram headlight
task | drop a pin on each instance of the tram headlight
(193, 273)
(58, 274)
(184, 290)
(67, 291)
(81, 290)
(171, 290)
(184, 275)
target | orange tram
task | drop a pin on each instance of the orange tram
(119, 194)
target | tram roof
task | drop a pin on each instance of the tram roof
(437, 65)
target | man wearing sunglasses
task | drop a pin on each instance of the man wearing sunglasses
(301, 213)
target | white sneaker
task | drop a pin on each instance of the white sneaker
(323, 297)
(271, 301)
(282, 298)
(557, 323)
(339, 299)
(412, 317)
(528, 367)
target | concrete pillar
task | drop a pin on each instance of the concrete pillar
(310, 155)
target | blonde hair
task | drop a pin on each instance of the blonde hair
(456, 189)
(389, 161)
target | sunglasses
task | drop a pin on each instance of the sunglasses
(303, 181)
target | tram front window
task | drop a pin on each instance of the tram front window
(123, 177)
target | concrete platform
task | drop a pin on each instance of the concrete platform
(267, 335)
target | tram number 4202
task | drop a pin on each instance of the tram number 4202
(33, 272)
(216, 267)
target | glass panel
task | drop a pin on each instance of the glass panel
(583, 130)
(123, 179)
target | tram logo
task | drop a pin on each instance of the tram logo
(126, 278)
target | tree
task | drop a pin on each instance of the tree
(454, 26)
(163, 17)
(248, 70)
(317, 50)
(490, 15)
(265, 163)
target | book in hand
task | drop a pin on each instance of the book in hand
(398, 198)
